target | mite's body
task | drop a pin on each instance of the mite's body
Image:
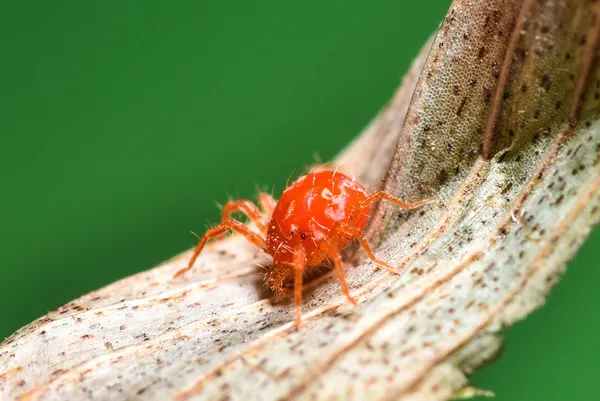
(315, 218)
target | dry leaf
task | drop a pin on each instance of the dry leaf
(502, 132)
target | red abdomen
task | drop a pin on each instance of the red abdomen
(308, 210)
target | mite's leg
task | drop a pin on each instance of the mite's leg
(232, 225)
(267, 203)
(246, 207)
(358, 234)
(299, 263)
(334, 254)
(375, 196)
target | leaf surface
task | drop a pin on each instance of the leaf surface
(502, 133)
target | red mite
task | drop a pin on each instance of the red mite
(315, 218)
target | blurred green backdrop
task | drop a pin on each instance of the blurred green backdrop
(123, 122)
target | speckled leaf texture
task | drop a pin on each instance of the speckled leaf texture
(497, 122)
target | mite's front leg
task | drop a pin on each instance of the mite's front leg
(299, 264)
(333, 253)
(281, 273)
(358, 234)
(232, 225)
(246, 207)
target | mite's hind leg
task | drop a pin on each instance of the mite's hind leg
(334, 254)
(299, 263)
(358, 234)
(232, 225)
(246, 207)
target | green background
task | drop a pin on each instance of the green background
(123, 122)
